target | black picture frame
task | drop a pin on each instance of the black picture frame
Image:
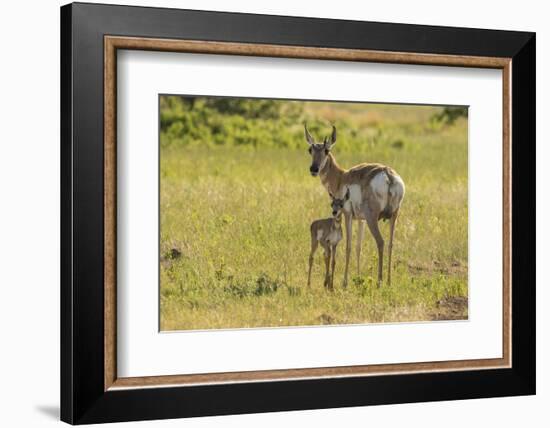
(83, 398)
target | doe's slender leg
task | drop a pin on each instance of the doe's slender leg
(348, 219)
(372, 222)
(360, 235)
(393, 219)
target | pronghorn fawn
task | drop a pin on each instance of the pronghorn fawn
(328, 233)
(376, 192)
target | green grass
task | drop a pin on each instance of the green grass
(235, 228)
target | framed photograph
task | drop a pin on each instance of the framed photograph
(266, 213)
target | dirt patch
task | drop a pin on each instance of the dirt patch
(452, 268)
(451, 308)
(170, 256)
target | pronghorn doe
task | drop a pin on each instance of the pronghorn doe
(376, 192)
(328, 233)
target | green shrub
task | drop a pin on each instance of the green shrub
(259, 123)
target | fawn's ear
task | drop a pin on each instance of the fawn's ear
(309, 138)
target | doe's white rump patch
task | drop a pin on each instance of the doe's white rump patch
(379, 184)
(380, 187)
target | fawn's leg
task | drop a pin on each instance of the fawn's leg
(348, 219)
(314, 244)
(393, 219)
(372, 222)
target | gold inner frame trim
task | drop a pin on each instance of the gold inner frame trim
(113, 43)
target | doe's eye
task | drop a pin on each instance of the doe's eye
(309, 150)
(326, 152)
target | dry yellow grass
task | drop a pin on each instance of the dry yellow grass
(235, 231)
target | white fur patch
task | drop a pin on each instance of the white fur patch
(380, 186)
(319, 235)
(355, 198)
(397, 188)
(397, 191)
(334, 237)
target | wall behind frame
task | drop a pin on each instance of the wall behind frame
(29, 226)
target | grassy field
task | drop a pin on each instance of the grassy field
(235, 226)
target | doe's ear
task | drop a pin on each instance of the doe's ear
(309, 138)
(332, 141)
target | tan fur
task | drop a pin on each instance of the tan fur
(326, 232)
(371, 207)
(335, 178)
